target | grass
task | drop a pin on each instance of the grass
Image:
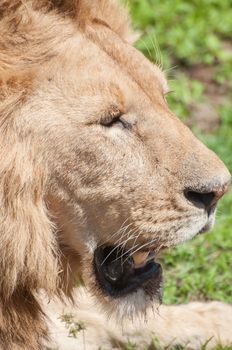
(191, 34)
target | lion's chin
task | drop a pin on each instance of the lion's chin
(133, 306)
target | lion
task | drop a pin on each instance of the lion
(97, 175)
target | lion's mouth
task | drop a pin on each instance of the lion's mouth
(119, 273)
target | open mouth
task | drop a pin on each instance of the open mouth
(119, 273)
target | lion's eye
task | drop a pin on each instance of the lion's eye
(115, 120)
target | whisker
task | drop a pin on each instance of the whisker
(134, 244)
(124, 230)
(142, 246)
(115, 233)
(130, 238)
(137, 237)
(124, 243)
(125, 253)
(109, 255)
(120, 242)
(117, 244)
(156, 47)
(147, 48)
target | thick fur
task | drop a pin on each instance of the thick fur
(67, 182)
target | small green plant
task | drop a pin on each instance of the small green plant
(155, 344)
(74, 327)
(130, 346)
(67, 319)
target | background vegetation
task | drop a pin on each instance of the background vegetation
(192, 40)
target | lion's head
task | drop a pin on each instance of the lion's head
(97, 174)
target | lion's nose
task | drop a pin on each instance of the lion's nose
(208, 195)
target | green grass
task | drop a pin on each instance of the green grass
(192, 33)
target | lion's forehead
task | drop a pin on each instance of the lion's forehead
(110, 53)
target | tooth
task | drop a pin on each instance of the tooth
(140, 258)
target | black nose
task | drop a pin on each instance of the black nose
(207, 196)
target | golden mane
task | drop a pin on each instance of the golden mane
(31, 33)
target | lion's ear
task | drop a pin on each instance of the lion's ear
(27, 245)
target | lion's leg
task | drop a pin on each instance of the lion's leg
(191, 325)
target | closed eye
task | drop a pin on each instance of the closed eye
(113, 119)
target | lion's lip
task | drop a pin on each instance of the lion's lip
(121, 276)
(140, 258)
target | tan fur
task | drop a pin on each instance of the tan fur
(189, 326)
(68, 183)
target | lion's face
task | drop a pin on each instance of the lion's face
(125, 177)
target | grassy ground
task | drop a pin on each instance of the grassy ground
(196, 45)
